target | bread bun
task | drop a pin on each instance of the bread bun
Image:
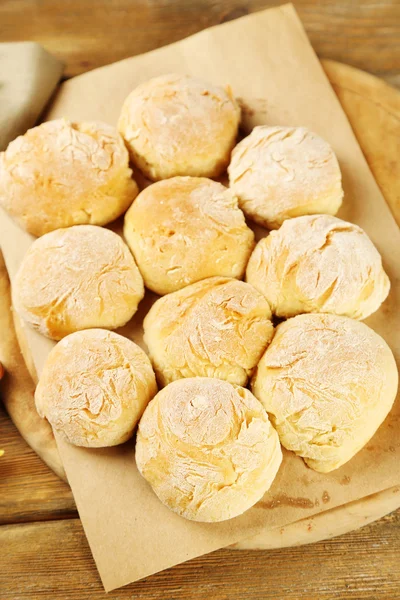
(178, 125)
(94, 388)
(218, 327)
(283, 172)
(327, 383)
(77, 278)
(196, 230)
(61, 174)
(319, 264)
(207, 449)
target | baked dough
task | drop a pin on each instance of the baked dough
(61, 173)
(77, 278)
(178, 125)
(327, 383)
(207, 449)
(283, 172)
(94, 388)
(196, 230)
(218, 327)
(319, 264)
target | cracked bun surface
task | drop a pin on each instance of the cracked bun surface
(319, 263)
(282, 172)
(218, 327)
(327, 383)
(77, 278)
(207, 449)
(179, 125)
(61, 174)
(94, 388)
(196, 230)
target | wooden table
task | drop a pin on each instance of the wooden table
(43, 551)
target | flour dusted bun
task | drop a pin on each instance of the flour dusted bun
(207, 449)
(77, 278)
(62, 173)
(179, 125)
(218, 327)
(94, 388)
(283, 172)
(185, 229)
(319, 264)
(327, 383)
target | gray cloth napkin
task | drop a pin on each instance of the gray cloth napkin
(28, 77)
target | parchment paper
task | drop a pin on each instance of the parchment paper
(268, 61)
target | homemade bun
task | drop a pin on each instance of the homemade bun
(77, 278)
(283, 172)
(207, 449)
(319, 264)
(178, 125)
(62, 173)
(195, 230)
(327, 383)
(218, 327)
(94, 388)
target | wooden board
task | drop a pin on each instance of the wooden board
(374, 111)
(52, 561)
(87, 34)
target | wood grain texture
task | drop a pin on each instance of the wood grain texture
(45, 561)
(89, 33)
(29, 491)
(373, 109)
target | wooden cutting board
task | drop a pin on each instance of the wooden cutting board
(373, 109)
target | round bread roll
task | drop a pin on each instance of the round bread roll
(62, 173)
(207, 449)
(327, 383)
(218, 327)
(283, 172)
(178, 125)
(319, 264)
(94, 388)
(77, 278)
(196, 230)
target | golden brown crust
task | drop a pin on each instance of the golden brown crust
(282, 172)
(179, 125)
(319, 264)
(61, 174)
(77, 278)
(327, 383)
(185, 229)
(94, 388)
(207, 449)
(218, 327)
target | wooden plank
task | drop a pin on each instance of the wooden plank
(89, 33)
(52, 561)
(29, 491)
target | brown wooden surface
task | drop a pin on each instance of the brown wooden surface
(29, 491)
(89, 33)
(43, 551)
(52, 560)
